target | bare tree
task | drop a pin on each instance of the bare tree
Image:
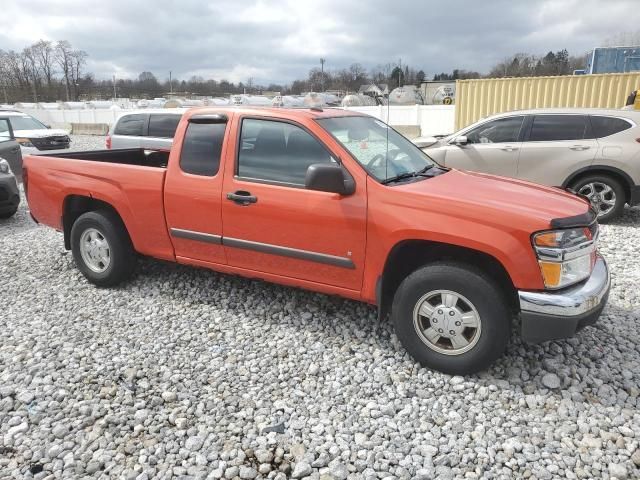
(63, 52)
(78, 59)
(43, 54)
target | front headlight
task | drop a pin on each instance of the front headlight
(4, 166)
(565, 256)
(25, 142)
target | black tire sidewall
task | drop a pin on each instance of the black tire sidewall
(615, 185)
(485, 296)
(121, 261)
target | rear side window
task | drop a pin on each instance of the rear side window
(162, 125)
(559, 127)
(5, 134)
(605, 126)
(132, 125)
(201, 148)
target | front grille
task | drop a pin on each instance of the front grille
(51, 143)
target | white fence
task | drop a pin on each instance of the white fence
(432, 119)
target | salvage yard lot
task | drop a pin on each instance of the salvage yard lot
(187, 372)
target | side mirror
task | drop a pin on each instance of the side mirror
(329, 177)
(48, 126)
(461, 140)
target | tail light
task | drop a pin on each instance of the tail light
(108, 142)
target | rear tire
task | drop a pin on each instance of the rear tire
(606, 194)
(452, 318)
(102, 248)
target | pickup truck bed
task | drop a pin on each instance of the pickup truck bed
(125, 156)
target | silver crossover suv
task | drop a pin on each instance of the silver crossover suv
(591, 151)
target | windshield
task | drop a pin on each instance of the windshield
(366, 139)
(26, 123)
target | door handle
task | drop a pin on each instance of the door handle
(580, 147)
(15, 149)
(242, 197)
(509, 148)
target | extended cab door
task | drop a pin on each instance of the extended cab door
(555, 146)
(492, 147)
(193, 189)
(273, 224)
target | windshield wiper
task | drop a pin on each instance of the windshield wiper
(419, 173)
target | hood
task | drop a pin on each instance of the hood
(40, 133)
(495, 199)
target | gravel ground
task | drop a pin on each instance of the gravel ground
(185, 373)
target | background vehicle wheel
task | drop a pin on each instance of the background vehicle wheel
(8, 214)
(102, 248)
(605, 193)
(452, 318)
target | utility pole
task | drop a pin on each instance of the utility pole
(322, 60)
(399, 71)
(115, 94)
(170, 83)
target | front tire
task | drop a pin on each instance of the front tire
(607, 195)
(102, 248)
(452, 318)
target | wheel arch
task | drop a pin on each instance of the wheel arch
(409, 255)
(75, 205)
(620, 175)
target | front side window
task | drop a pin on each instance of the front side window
(131, 125)
(5, 133)
(605, 126)
(201, 148)
(382, 151)
(163, 125)
(547, 128)
(277, 152)
(501, 130)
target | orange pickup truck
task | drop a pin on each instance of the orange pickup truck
(336, 202)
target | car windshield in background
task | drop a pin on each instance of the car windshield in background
(382, 151)
(26, 123)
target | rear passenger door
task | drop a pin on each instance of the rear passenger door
(162, 128)
(273, 224)
(554, 146)
(193, 189)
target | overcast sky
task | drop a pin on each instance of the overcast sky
(279, 41)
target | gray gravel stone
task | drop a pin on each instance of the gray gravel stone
(301, 469)
(551, 380)
(618, 471)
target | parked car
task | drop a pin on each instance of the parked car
(335, 201)
(593, 152)
(153, 129)
(33, 135)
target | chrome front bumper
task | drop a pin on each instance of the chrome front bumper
(555, 315)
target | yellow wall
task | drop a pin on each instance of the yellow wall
(479, 98)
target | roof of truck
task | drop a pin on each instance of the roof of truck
(278, 112)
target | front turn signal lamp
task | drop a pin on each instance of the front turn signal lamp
(565, 256)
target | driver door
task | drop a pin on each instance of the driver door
(492, 147)
(273, 224)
